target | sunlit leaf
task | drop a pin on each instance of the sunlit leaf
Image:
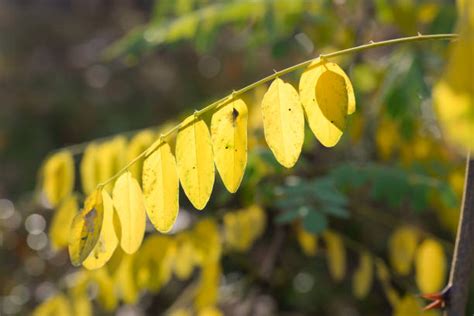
(195, 161)
(53, 306)
(61, 222)
(89, 169)
(363, 276)
(283, 122)
(108, 241)
(130, 207)
(229, 140)
(161, 188)
(401, 249)
(336, 255)
(58, 177)
(139, 143)
(327, 97)
(430, 265)
(85, 228)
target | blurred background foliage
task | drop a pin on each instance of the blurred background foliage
(72, 71)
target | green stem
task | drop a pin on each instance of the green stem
(285, 71)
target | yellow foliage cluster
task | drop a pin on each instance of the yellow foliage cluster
(243, 227)
(428, 258)
(125, 182)
(453, 95)
(161, 258)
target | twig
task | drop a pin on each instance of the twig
(462, 261)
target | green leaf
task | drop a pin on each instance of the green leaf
(315, 222)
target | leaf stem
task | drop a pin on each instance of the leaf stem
(235, 94)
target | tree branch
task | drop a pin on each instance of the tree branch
(463, 258)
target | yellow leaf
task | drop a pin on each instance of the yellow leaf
(308, 242)
(208, 288)
(283, 122)
(336, 255)
(210, 311)
(327, 97)
(54, 306)
(139, 143)
(410, 306)
(58, 177)
(207, 241)
(61, 222)
(89, 169)
(85, 228)
(124, 280)
(130, 207)
(195, 162)
(401, 249)
(161, 188)
(185, 258)
(107, 242)
(81, 305)
(111, 157)
(107, 296)
(383, 276)
(229, 140)
(430, 265)
(363, 276)
(181, 312)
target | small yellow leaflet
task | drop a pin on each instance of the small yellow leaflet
(336, 255)
(402, 246)
(430, 265)
(283, 122)
(61, 222)
(89, 169)
(229, 140)
(58, 177)
(136, 146)
(195, 161)
(108, 241)
(363, 276)
(130, 207)
(327, 97)
(85, 228)
(161, 188)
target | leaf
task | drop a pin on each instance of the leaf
(161, 188)
(327, 97)
(89, 169)
(58, 177)
(139, 143)
(208, 287)
(409, 305)
(105, 246)
(124, 282)
(55, 305)
(315, 222)
(401, 249)
(195, 162)
(229, 141)
(61, 222)
(430, 265)
(107, 293)
(336, 255)
(283, 122)
(130, 207)
(185, 258)
(308, 242)
(111, 157)
(363, 276)
(85, 228)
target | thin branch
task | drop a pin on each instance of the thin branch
(463, 258)
(236, 94)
